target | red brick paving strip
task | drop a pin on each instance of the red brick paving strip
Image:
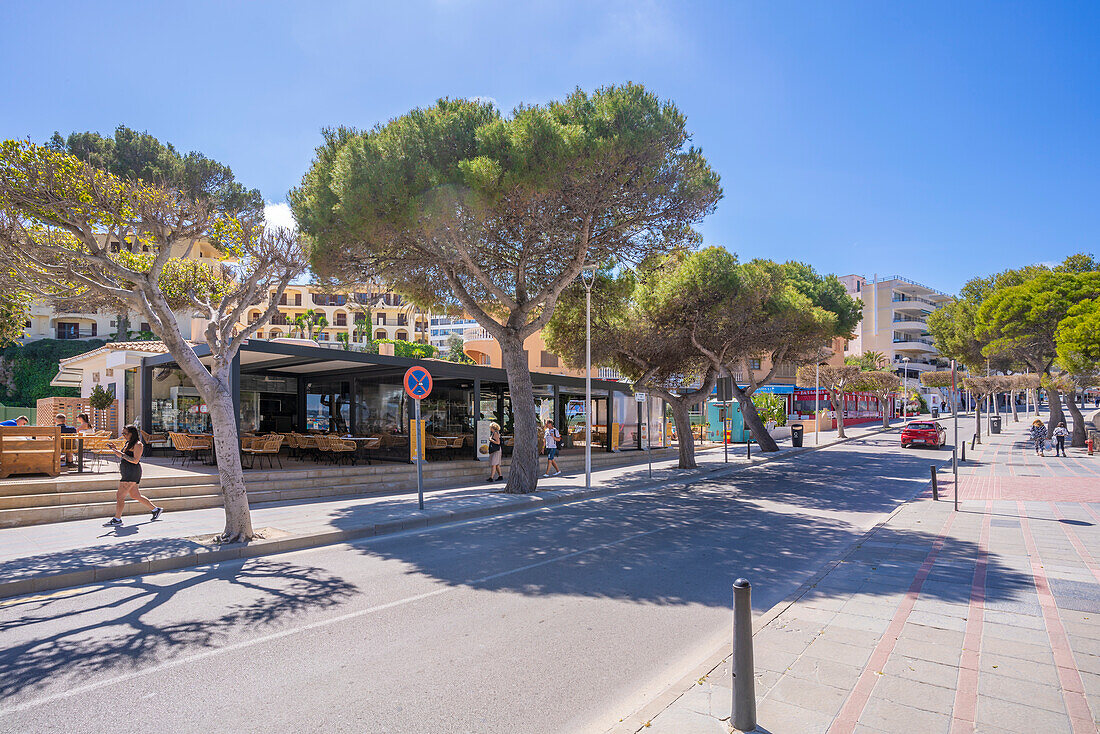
(964, 712)
(1073, 692)
(1030, 489)
(845, 721)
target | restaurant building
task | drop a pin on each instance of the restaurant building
(299, 387)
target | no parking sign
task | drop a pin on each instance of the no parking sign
(418, 383)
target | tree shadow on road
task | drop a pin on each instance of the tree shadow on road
(682, 546)
(121, 626)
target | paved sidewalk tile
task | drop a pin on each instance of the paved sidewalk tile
(1031, 582)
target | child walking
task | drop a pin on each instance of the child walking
(551, 438)
(1060, 434)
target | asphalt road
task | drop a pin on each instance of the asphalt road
(558, 620)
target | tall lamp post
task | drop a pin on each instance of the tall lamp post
(588, 277)
(904, 389)
(817, 418)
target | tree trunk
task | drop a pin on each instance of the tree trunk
(836, 399)
(1012, 401)
(1078, 437)
(524, 471)
(752, 419)
(682, 419)
(882, 400)
(1054, 397)
(978, 418)
(227, 448)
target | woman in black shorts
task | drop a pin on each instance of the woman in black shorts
(129, 469)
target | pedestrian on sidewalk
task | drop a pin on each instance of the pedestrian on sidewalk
(551, 438)
(1060, 434)
(129, 469)
(1038, 434)
(494, 452)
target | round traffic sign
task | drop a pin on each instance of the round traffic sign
(418, 383)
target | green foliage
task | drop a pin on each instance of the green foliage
(771, 407)
(100, 399)
(1078, 337)
(27, 369)
(14, 310)
(344, 339)
(455, 352)
(411, 350)
(139, 155)
(867, 360)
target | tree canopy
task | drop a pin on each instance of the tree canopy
(134, 155)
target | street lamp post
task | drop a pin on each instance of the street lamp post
(817, 418)
(904, 389)
(588, 277)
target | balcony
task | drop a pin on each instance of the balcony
(75, 333)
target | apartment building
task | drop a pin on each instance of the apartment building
(45, 321)
(374, 314)
(895, 323)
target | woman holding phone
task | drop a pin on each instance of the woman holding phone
(129, 469)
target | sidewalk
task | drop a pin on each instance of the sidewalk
(45, 557)
(986, 620)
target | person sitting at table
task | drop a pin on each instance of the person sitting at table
(59, 421)
(16, 423)
(83, 425)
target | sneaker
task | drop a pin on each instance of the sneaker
(156, 512)
(546, 474)
(114, 521)
(556, 473)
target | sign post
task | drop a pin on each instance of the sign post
(642, 397)
(955, 441)
(725, 394)
(418, 385)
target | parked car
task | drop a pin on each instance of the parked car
(923, 433)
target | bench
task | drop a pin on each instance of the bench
(30, 450)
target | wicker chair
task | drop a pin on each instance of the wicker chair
(155, 441)
(267, 446)
(184, 446)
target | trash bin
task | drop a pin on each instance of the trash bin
(796, 435)
(995, 424)
(935, 412)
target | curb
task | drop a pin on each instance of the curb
(419, 520)
(640, 719)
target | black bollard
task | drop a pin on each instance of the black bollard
(935, 485)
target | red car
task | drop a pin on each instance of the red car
(923, 433)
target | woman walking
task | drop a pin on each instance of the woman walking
(1038, 434)
(494, 453)
(129, 468)
(1060, 435)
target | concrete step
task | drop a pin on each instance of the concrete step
(74, 500)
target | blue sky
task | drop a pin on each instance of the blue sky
(935, 140)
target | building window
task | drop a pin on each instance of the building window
(341, 319)
(145, 326)
(402, 335)
(379, 334)
(95, 327)
(380, 320)
(754, 364)
(548, 359)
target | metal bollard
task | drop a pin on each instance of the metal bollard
(743, 716)
(935, 484)
(964, 452)
(748, 450)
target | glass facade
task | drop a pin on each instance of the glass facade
(328, 406)
(176, 405)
